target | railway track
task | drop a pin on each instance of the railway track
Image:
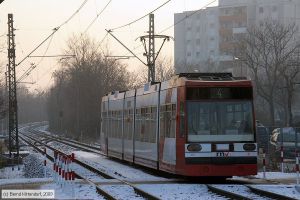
(245, 192)
(249, 192)
(101, 191)
(69, 142)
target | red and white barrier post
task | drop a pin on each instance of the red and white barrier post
(54, 164)
(63, 171)
(264, 164)
(297, 167)
(281, 157)
(72, 173)
(68, 170)
(60, 170)
(45, 162)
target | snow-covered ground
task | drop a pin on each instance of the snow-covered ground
(33, 170)
(276, 175)
(241, 190)
(180, 191)
(74, 191)
(287, 190)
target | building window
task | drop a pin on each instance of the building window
(274, 8)
(212, 39)
(211, 51)
(211, 25)
(261, 10)
(198, 41)
(189, 28)
(189, 54)
(198, 54)
(188, 41)
(198, 29)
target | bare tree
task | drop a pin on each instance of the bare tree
(268, 54)
(74, 104)
(164, 70)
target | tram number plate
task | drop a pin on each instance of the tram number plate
(222, 154)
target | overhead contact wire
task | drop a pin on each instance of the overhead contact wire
(141, 17)
(187, 16)
(54, 31)
(97, 16)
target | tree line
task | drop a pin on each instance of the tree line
(74, 101)
(271, 53)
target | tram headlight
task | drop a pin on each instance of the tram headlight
(249, 147)
(194, 147)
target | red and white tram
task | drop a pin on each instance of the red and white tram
(193, 125)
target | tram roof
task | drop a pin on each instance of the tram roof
(205, 79)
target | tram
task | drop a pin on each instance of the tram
(195, 124)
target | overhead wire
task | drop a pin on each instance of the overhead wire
(187, 16)
(28, 71)
(97, 16)
(141, 17)
(101, 41)
(80, 7)
(54, 31)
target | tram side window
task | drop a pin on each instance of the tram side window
(168, 115)
(111, 124)
(148, 130)
(182, 119)
(161, 121)
(131, 123)
(153, 124)
(143, 125)
(125, 124)
(173, 121)
(119, 122)
(114, 124)
(167, 120)
(138, 121)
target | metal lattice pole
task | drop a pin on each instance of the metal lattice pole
(151, 50)
(12, 90)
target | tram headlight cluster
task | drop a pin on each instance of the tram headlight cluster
(249, 147)
(194, 147)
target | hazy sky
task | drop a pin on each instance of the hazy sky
(35, 19)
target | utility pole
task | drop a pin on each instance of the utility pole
(12, 90)
(150, 52)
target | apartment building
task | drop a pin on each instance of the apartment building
(208, 40)
(196, 39)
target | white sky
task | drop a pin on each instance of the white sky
(35, 19)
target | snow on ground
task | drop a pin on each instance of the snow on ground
(78, 190)
(12, 172)
(287, 190)
(84, 154)
(65, 148)
(180, 191)
(277, 175)
(34, 166)
(114, 168)
(241, 190)
(15, 181)
(123, 192)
